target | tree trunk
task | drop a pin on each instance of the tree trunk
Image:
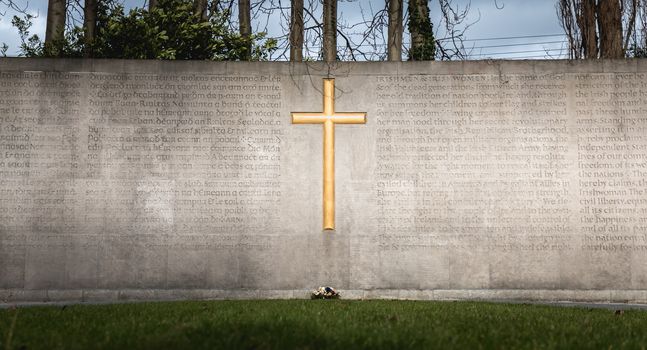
(416, 37)
(152, 4)
(200, 9)
(296, 31)
(55, 30)
(610, 25)
(394, 46)
(245, 27)
(588, 28)
(420, 27)
(89, 26)
(330, 30)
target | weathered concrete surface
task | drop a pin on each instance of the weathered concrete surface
(138, 180)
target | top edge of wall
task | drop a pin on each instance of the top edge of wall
(338, 69)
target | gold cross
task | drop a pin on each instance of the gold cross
(329, 118)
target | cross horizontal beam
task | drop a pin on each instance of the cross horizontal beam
(320, 118)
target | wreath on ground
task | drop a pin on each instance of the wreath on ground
(324, 293)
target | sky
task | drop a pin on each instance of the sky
(526, 28)
(501, 29)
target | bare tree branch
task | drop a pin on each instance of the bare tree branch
(630, 12)
(14, 6)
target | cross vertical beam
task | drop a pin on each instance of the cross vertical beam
(329, 176)
(328, 118)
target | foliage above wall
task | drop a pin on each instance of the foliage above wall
(169, 31)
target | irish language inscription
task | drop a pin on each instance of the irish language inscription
(181, 160)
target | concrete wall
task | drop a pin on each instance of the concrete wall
(126, 180)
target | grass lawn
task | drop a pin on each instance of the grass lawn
(324, 324)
